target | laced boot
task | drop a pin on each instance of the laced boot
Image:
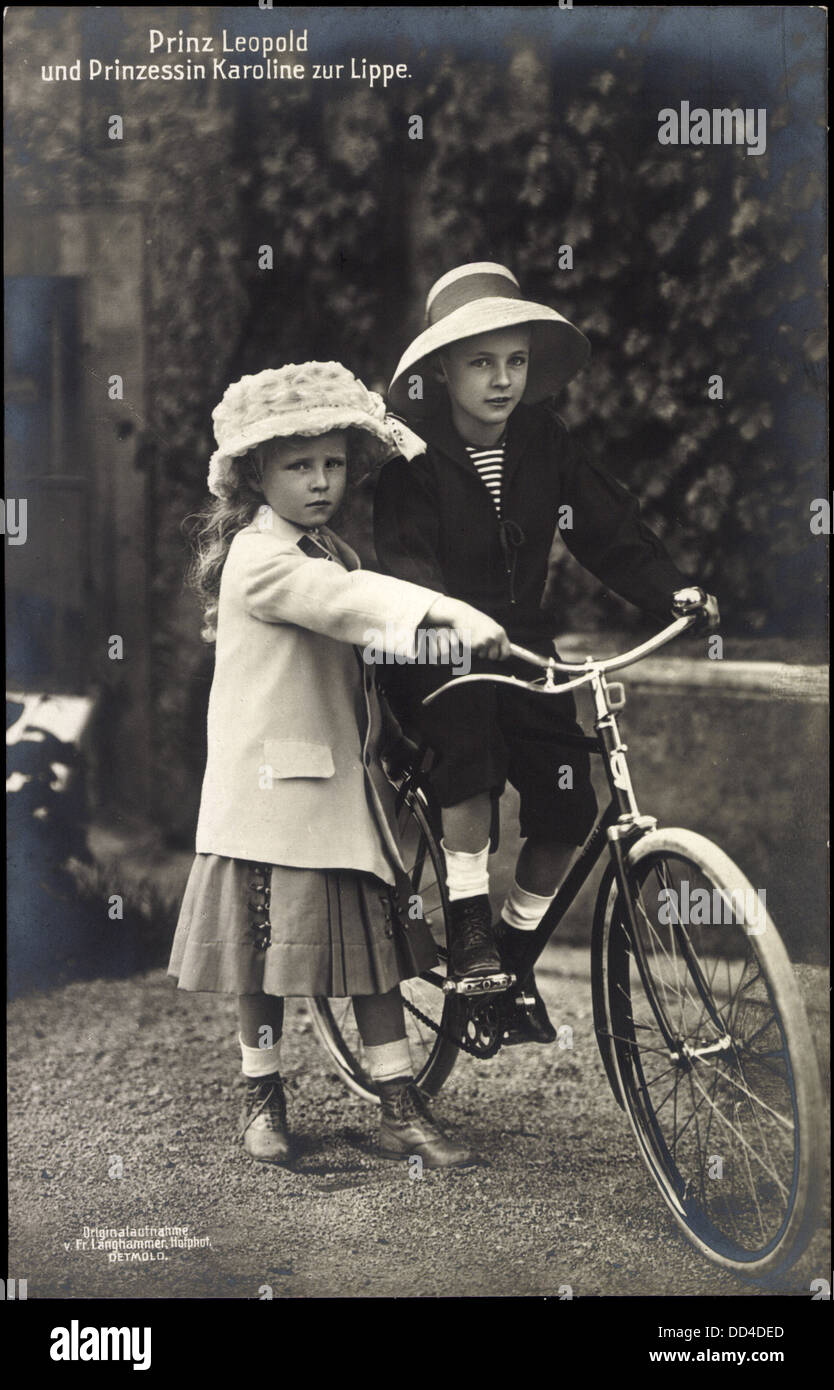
(524, 1024)
(264, 1120)
(407, 1128)
(472, 949)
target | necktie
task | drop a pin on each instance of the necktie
(318, 546)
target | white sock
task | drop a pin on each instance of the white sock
(388, 1060)
(524, 910)
(467, 875)
(260, 1061)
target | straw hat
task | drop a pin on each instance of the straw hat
(479, 298)
(308, 399)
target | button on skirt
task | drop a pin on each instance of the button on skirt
(266, 928)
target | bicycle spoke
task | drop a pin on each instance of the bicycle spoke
(672, 934)
(702, 1150)
(697, 1106)
(657, 1108)
(700, 1002)
(618, 1037)
(757, 1118)
(759, 1059)
(709, 1126)
(743, 1141)
(663, 985)
(788, 1124)
(653, 934)
(769, 1024)
(663, 879)
(695, 1115)
(649, 1028)
(737, 1002)
(755, 1196)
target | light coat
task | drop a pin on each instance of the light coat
(294, 720)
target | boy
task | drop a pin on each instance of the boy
(474, 516)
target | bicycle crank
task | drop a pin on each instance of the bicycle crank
(484, 1028)
(485, 1023)
(481, 1030)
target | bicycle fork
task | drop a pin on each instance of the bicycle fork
(609, 698)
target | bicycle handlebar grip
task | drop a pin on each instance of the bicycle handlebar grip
(522, 654)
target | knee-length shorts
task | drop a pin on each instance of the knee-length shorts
(485, 735)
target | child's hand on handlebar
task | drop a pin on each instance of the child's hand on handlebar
(490, 640)
(482, 634)
(696, 600)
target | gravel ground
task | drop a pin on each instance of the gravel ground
(131, 1077)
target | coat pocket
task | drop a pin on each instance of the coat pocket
(288, 757)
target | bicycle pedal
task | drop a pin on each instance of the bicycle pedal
(525, 1001)
(481, 984)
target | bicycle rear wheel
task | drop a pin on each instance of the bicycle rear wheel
(711, 1046)
(432, 1055)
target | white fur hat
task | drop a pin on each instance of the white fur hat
(478, 298)
(308, 399)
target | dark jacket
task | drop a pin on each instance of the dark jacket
(435, 524)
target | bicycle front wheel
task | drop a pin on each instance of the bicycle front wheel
(433, 1051)
(713, 1053)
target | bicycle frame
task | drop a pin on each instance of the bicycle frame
(620, 823)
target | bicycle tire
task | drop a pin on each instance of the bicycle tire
(433, 1055)
(775, 1096)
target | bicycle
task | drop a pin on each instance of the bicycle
(703, 1033)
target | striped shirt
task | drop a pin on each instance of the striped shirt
(490, 465)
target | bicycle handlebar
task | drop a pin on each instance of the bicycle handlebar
(614, 663)
(586, 669)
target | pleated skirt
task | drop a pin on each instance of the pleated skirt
(248, 928)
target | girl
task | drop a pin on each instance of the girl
(297, 881)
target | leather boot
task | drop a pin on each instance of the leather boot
(264, 1120)
(524, 1024)
(472, 949)
(407, 1128)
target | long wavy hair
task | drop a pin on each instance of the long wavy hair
(212, 530)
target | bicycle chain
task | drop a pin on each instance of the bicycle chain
(464, 1043)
